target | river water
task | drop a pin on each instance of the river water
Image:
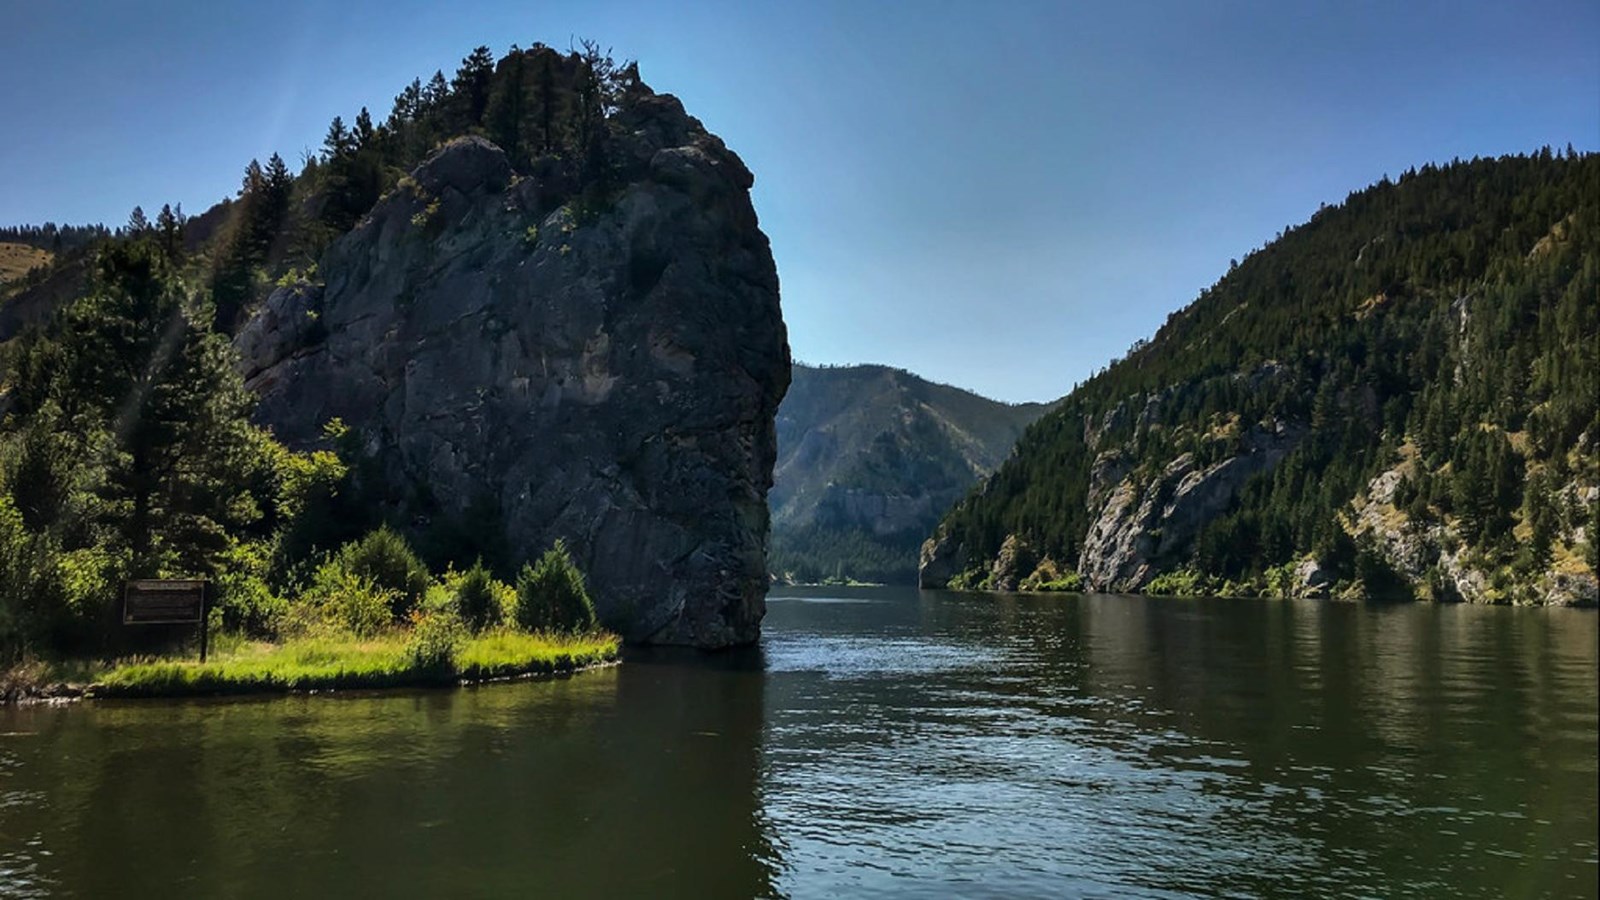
(881, 742)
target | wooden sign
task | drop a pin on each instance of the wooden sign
(164, 601)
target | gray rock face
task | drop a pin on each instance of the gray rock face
(1012, 564)
(600, 370)
(939, 561)
(1311, 579)
(1141, 526)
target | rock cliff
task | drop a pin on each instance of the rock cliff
(1141, 525)
(597, 363)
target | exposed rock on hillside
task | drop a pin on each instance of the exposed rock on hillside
(1142, 525)
(1435, 558)
(595, 363)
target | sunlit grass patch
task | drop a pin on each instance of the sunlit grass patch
(325, 663)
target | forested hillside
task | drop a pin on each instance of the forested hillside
(1397, 398)
(869, 458)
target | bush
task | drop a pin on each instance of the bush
(478, 597)
(248, 605)
(241, 596)
(385, 559)
(1050, 575)
(348, 601)
(551, 595)
(1186, 583)
(1072, 583)
(436, 639)
(314, 502)
(49, 599)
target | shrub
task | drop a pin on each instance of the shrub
(313, 501)
(349, 601)
(241, 596)
(49, 598)
(436, 639)
(1184, 583)
(478, 597)
(1282, 582)
(551, 594)
(385, 559)
(1052, 576)
(973, 579)
(1071, 583)
(247, 604)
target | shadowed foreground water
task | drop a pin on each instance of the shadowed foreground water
(881, 742)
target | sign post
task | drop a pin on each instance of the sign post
(167, 601)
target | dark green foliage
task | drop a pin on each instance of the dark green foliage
(384, 558)
(1593, 531)
(54, 238)
(251, 240)
(469, 90)
(824, 552)
(551, 595)
(319, 508)
(478, 532)
(1377, 578)
(146, 394)
(1453, 310)
(475, 599)
(127, 450)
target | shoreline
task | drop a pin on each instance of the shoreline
(61, 694)
(265, 673)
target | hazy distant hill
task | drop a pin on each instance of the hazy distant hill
(869, 458)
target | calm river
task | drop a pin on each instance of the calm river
(881, 742)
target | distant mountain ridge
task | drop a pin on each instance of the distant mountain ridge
(869, 458)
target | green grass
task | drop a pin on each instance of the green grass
(349, 663)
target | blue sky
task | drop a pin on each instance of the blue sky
(999, 195)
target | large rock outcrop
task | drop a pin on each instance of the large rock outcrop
(557, 360)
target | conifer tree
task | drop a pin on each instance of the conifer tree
(169, 228)
(338, 143)
(362, 133)
(470, 89)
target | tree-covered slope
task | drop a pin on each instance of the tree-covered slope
(869, 458)
(1397, 397)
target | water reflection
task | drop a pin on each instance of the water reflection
(629, 781)
(1125, 746)
(880, 742)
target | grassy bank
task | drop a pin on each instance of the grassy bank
(334, 663)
